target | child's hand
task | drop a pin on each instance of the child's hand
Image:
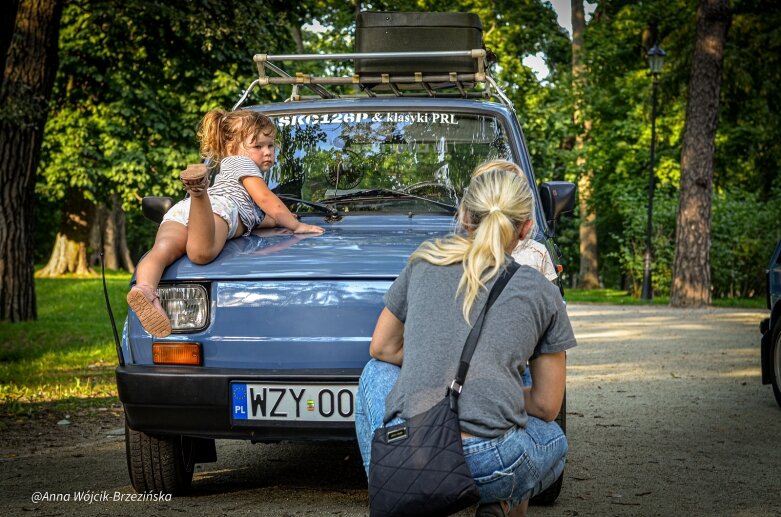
(308, 228)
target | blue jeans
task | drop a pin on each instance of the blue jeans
(513, 467)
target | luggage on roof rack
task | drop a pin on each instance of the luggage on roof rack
(401, 54)
(417, 32)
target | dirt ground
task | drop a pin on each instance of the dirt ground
(666, 416)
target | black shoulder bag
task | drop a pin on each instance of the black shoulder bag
(418, 467)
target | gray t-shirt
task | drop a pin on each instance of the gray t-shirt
(529, 318)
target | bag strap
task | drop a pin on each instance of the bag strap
(471, 341)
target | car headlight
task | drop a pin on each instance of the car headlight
(187, 305)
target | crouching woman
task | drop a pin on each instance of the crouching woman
(512, 446)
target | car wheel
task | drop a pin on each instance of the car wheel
(159, 463)
(776, 354)
(548, 496)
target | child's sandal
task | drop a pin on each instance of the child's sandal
(195, 179)
(146, 304)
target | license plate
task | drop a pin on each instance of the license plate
(293, 402)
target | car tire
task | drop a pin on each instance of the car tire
(775, 353)
(159, 463)
(548, 496)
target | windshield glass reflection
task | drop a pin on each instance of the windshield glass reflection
(384, 161)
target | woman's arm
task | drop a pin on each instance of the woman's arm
(549, 374)
(274, 207)
(388, 339)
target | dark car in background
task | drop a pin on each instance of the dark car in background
(771, 327)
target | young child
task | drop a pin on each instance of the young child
(242, 143)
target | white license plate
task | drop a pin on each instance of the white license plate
(293, 402)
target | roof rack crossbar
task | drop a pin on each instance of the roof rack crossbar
(274, 68)
(430, 84)
(310, 81)
(408, 93)
(475, 53)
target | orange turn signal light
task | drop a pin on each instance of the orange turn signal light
(177, 353)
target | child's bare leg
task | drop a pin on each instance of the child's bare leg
(142, 298)
(204, 236)
(207, 233)
(169, 245)
(200, 230)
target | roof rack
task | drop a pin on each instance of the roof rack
(372, 85)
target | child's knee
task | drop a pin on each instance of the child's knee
(200, 257)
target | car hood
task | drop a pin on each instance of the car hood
(355, 247)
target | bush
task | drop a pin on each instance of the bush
(744, 232)
(631, 205)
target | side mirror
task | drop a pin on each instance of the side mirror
(155, 207)
(557, 197)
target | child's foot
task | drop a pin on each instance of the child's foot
(195, 179)
(146, 304)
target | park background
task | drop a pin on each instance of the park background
(133, 77)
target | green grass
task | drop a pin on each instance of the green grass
(617, 297)
(67, 357)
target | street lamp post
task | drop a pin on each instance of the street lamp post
(655, 61)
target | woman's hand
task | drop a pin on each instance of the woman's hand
(307, 228)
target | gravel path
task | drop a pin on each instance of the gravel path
(666, 416)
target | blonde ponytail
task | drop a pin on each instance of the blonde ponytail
(493, 210)
(210, 134)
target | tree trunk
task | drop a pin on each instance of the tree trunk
(108, 232)
(691, 270)
(7, 29)
(100, 238)
(123, 252)
(589, 261)
(70, 246)
(298, 37)
(29, 67)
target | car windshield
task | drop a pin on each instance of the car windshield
(382, 161)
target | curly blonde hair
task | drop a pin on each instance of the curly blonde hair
(219, 131)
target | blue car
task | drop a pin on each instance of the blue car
(771, 327)
(270, 338)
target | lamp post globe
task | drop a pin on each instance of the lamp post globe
(655, 61)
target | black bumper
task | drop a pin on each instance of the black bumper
(196, 402)
(766, 350)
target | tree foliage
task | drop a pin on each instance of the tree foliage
(747, 156)
(136, 76)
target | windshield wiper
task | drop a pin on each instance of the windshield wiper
(385, 192)
(332, 212)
